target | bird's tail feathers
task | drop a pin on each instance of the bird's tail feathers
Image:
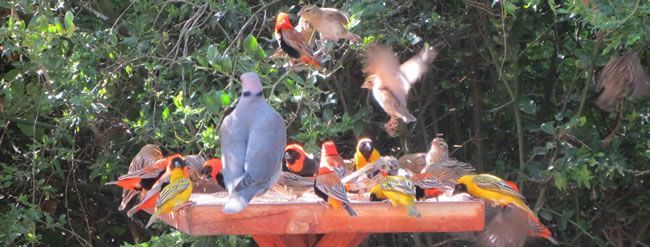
(311, 62)
(236, 203)
(127, 198)
(153, 218)
(413, 211)
(407, 117)
(111, 183)
(349, 209)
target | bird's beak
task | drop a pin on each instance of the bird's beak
(300, 13)
(366, 85)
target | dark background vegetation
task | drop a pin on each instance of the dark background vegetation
(85, 84)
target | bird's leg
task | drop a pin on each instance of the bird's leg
(184, 205)
(324, 204)
(391, 126)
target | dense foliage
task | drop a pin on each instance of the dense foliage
(85, 84)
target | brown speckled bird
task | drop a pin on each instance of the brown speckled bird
(440, 166)
(329, 22)
(146, 157)
(622, 77)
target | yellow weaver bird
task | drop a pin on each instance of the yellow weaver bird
(399, 190)
(502, 193)
(491, 188)
(176, 194)
(366, 153)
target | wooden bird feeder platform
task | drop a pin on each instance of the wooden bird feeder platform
(312, 224)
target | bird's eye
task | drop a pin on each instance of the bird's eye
(247, 94)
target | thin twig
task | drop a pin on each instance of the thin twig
(119, 17)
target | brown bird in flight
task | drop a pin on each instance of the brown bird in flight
(390, 82)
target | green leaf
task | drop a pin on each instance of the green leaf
(211, 103)
(226, 63)
(548, 128)
(560, 181)
(69, 24)
(42, 24)
(165, 113)
(225, 98)
(212, 54)
(250, 45)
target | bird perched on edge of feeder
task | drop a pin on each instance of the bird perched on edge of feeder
(176, 194)
(253, 137)
(151, 195)
(496, 191)
(328, 185)
(146, 157)
(399, 190)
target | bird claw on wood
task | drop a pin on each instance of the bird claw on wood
(183, 206)
(324, 204)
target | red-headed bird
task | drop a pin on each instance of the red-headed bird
(150, 196)
(292, 42)
(145, 178)
(328, 185)
(330, 156)
(212, 168)
(297, 161)
(146, 157)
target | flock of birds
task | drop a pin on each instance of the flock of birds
(255, 157)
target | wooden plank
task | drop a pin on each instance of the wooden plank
(342, 239)
(310, 218)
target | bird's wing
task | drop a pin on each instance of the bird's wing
(174, 188)
(147, 172)
(294, 180)
(296, 41)
(495, 184)
(381, 62)
(147, 157)
(233, 150)
(335, 15)
(413, 69)
(331, 185)
(266, 142)
(195, 163)
(401, 185)
(426, 181)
